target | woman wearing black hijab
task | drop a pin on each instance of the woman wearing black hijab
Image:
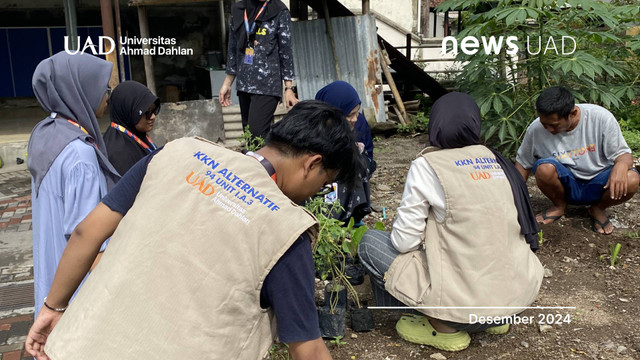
(133, 109)
(463, 240)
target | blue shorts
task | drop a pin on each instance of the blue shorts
(578, 191)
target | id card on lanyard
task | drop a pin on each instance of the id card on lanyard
(249, 52)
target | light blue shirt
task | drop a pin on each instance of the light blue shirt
(72, 187)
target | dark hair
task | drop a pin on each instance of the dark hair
(319, 128)
(555, 100)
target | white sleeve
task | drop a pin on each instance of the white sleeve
(422, 189)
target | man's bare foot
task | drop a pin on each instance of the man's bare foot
(550, 215)
(599, 221)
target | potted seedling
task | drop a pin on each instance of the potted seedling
(327, 255)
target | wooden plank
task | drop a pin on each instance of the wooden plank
(399, 115)
(385, 62)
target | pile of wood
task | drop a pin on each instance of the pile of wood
(395, 115)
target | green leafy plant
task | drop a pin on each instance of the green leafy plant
(419, 124)
(279, 351)
(601, 70)
(379, 226)
(337, 341)
(540, 238)
(250, 142)
(614, 251)
(329, 249)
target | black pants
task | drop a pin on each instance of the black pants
(257, 112)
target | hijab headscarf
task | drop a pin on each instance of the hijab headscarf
(129, 102)
(341, 95)
(72, 87)
(252, 6)
(455, 123)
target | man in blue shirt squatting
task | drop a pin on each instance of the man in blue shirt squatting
(578, 156)
(208, 251)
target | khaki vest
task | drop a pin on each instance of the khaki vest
(182, 274)
(477, 256)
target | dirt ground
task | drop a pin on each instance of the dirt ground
(604, 324)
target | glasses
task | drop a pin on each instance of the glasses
(150, 113)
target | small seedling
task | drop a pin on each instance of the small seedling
(615, 250)
(337, 341)
(379, 226)
(633, 234)
(540, 238)
(376, 138)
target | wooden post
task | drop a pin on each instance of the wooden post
(116, 5)
(365, 7)
(107, 30)
(223, 30)
(327, 20)
(446, 23)
(385, 62)
(148, 63)
(425, 13)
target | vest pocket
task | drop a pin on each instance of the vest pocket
(408, 278)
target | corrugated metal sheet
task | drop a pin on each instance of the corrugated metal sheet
(358, 57)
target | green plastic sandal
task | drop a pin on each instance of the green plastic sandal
(418, 330)
(498, 330)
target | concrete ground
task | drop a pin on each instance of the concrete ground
(16, 261)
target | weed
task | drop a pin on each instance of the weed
(250, 142)
(633, 234)
(337, 341)
(376, 138)
(614, 251)
(279, 351)
(540, 238)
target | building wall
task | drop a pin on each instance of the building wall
(401, 12)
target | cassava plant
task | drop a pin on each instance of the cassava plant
(602, 69)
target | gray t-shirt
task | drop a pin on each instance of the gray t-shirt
(586, 150)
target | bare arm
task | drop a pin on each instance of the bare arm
(309, 350)
(524, 172)
(78, 257)
(617, 183)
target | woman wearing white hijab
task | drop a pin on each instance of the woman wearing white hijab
(67, 158)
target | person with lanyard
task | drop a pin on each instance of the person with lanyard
(67, 157)
(260, 57)
(210, 251)
(133, 109)
(356, 203)
(463, 240)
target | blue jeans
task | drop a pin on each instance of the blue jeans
(578, 191)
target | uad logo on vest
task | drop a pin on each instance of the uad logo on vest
(198, 183)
